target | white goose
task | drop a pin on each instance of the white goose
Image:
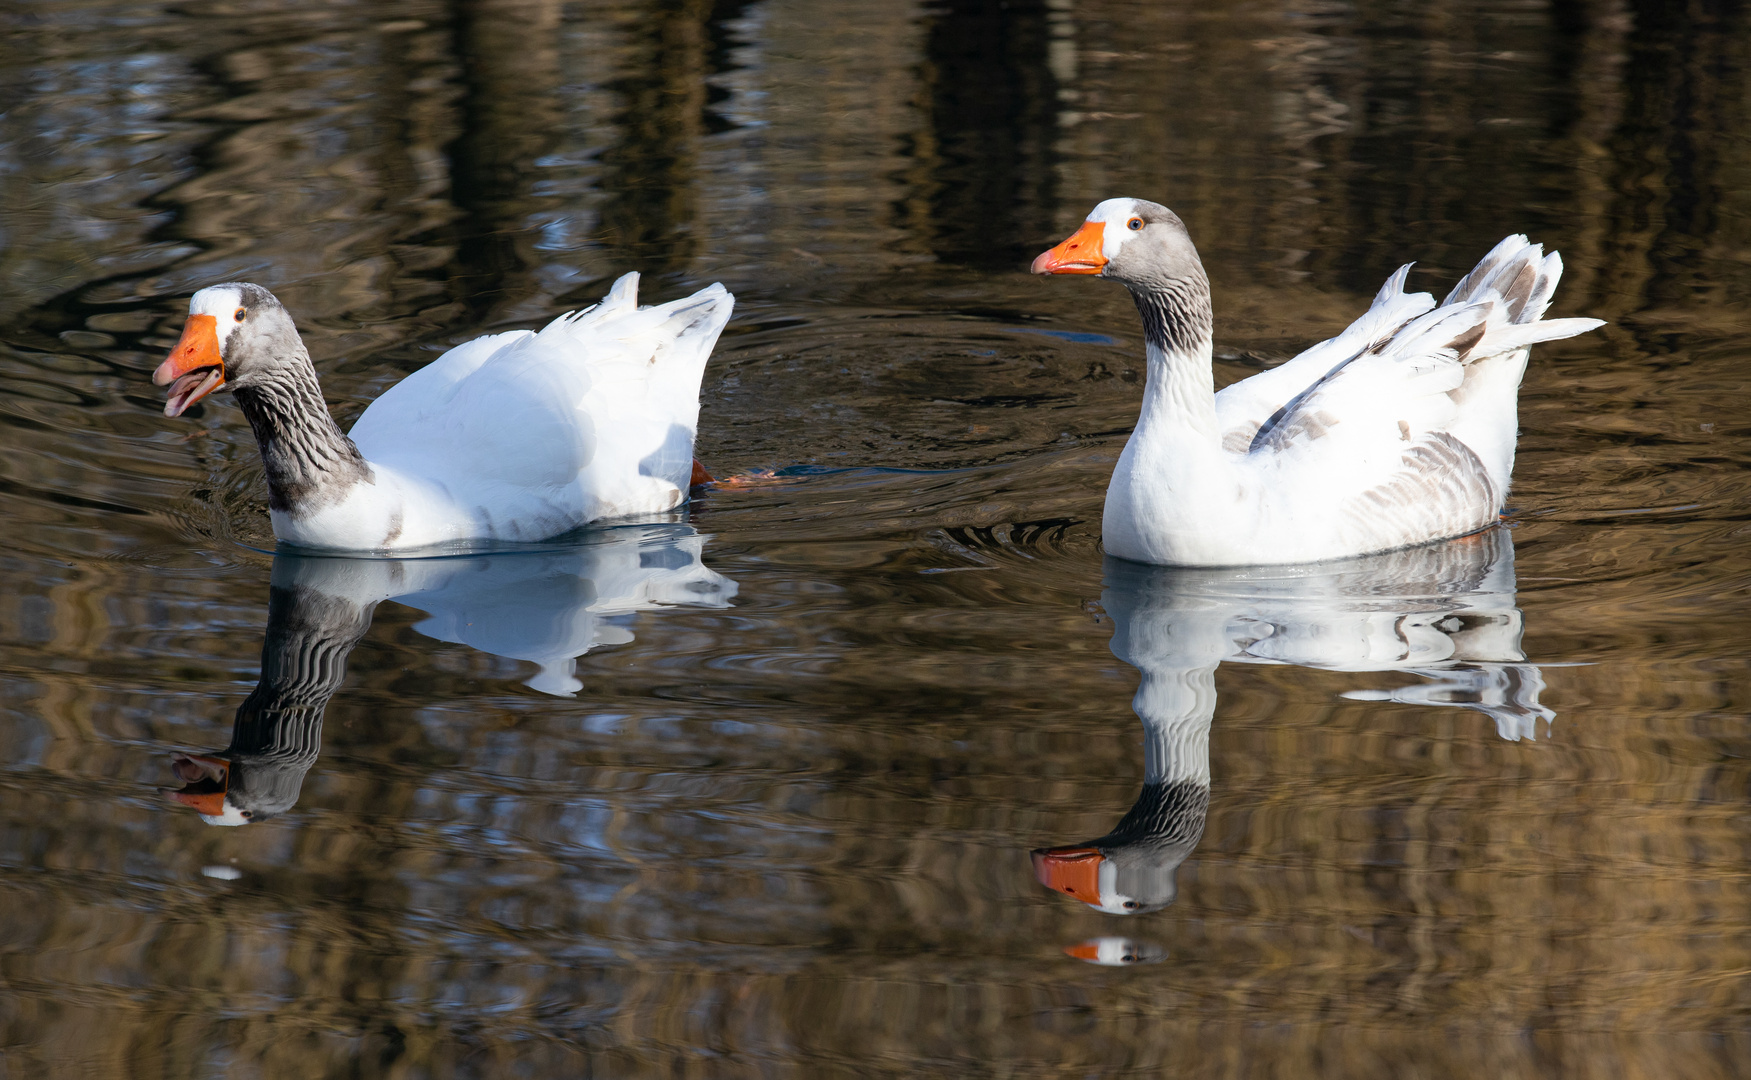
(1397, 432)
(513, 436)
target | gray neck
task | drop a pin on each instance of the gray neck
(309, 460)
(1176, 313)
(1176, 328)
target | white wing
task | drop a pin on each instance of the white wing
(1410, 430)
(597, 410)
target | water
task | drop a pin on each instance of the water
(753, 791)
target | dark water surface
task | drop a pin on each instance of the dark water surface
(752, 792)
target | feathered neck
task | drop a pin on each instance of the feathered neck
(303, 663)
(1176, 331)
(309, 460)
(278, 731)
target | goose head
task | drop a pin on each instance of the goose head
(241, 789)
(1114, 879)
(205, 788)
(1132, 870)
(1140, 243)
(236, 334)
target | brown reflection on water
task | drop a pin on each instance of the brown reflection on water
(789, 836)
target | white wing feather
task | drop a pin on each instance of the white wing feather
(592, 417)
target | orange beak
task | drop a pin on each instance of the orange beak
(197, 773)
(194, 368)
(1078, 255)
(1073, 871)
(210, 803)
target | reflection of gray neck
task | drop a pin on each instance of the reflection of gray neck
(1177, 746)
(278, 730)
(1176, 706)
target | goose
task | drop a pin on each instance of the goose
(1397, 432)
(516, 436)
(1446, 613)
(546, 606)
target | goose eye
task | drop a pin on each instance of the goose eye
(238, 314)
(1135, 224)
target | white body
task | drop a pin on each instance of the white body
(523, 435)
(1408, 440)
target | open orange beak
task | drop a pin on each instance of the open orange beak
(1073, 871)
(205, 779)
(194, 368)
(1078, 255)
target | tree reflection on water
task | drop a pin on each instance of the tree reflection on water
(780, 837)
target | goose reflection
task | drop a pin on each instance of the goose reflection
(1444, 612)
(548, 607)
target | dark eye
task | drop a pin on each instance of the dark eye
(238, 314)
(1135, 224)
(1130, 905)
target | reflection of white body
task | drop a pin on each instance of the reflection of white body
(1445, 612)
(547, 607)
(544, 606)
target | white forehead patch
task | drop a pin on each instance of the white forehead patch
(232, 815)
(1112, 901)
(216, 300)
(1113, 214)
(221, 302)
(1113, 210)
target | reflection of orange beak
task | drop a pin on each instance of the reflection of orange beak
(211, 803)
(194, 366)
(1078, 255)
(202, 791)
(1088, 950)
(1073, 871)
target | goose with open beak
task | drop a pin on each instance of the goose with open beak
(515, 436)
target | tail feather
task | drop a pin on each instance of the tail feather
(1495, 270)
(1520, 272)
(663, 326)
(1451, 329)
(1550, 271)
(1520, 335)
(1519, 280)
(1393, 287)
